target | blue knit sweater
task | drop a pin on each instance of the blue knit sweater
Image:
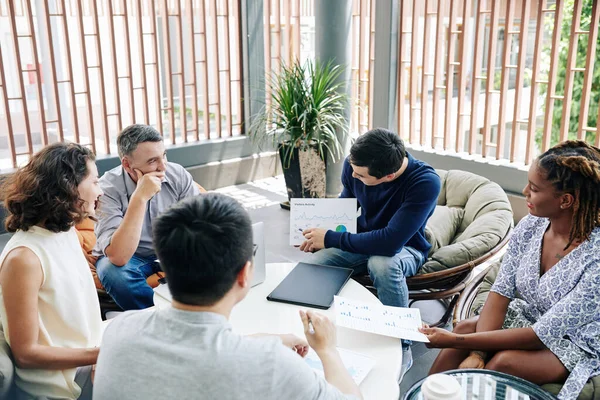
(393, 214)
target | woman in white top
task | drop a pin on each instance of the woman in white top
(48, 302)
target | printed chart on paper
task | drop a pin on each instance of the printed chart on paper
(335, 214)
(398, 322)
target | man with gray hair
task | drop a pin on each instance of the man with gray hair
(135, 193)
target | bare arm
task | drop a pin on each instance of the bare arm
(504, 339)
(21, 278)
(126, 238)
(493, 313)
(323, 341)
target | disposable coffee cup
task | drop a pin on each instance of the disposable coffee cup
(441, 387)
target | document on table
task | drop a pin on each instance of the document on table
(398, 322)
(358, 365)
(332, 214)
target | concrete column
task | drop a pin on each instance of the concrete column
(253, 48)
(386, 64)
(333, 37)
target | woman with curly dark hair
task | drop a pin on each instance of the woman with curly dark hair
(541, 319)
(48, 303)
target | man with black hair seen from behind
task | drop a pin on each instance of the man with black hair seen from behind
(205, 247)
(135, 193)
(396, 194)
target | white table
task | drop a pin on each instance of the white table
(255, 314)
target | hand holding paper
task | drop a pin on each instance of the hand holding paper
(403, 323)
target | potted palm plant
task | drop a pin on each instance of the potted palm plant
(301, 120)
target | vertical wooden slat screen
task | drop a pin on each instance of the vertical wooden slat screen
(571, 58)
(505, 73)
(489, 80)
(38, 75)
(551, 89)
(192, 68)
(477, 77)
(155, 61)
(400, 95)
(369, 74)
(425, 74)
(535, 82)
(83, 70)
(205, 65)
(21, 97)
(414, 79)
(516, 125)
(462, 77)
(437, 73)
(142, 66)
(9, 125)
(168, 69)
(181, 70)
(592, 33)
(450, 63)
(508, 85)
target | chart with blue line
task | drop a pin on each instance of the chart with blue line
(338, 215)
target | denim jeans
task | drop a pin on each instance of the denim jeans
(127, 284)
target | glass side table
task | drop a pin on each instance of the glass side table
(480, 384)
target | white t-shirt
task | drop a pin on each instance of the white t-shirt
(175, 354)
(68, 307)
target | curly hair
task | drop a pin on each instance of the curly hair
(45, 190)
(573, 167)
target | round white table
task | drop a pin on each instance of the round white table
(255, 314)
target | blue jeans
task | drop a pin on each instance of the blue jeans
(387, 273)
(127, 284)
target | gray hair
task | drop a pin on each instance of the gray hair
(130, 137)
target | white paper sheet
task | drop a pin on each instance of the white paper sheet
(403, 323)
(358, 365)
(334, 214)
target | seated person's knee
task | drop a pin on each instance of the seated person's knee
(465, 326)
(380, 265)
(503, 361)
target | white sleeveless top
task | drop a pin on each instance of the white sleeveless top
(69, 312)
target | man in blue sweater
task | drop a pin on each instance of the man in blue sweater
(396, 194)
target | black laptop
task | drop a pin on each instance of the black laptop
(311, 285)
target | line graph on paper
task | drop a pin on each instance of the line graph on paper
(335, 214)
(396, 322)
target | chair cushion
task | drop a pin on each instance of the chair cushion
(486, 220)
(591, 390)
(484, 288)
(442, 226)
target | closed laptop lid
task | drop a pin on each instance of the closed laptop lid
(311, 285)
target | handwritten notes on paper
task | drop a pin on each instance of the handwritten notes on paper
(332, 214)
(403, 323)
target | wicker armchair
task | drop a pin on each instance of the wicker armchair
(472, 223)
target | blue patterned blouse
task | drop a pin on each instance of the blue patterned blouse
(563, 305)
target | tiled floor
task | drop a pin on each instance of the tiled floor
(262, 198)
